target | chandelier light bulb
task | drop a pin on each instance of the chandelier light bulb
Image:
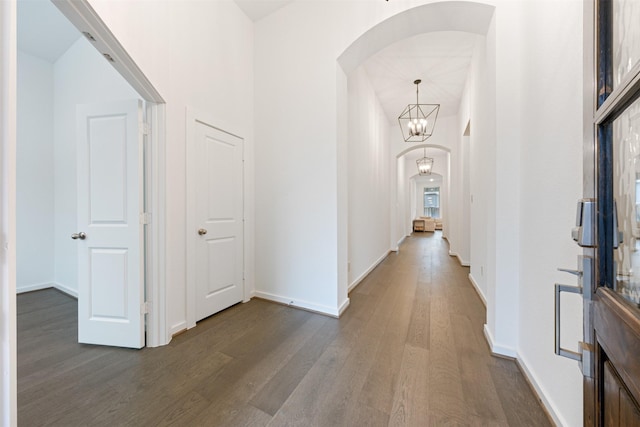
(420, 119)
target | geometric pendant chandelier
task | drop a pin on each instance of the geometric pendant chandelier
(418, 120)
(425, 164)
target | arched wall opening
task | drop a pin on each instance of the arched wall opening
(470, 17)
(410, 185)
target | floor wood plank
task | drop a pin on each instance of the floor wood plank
(409, 351)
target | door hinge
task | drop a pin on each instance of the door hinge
(144, 308)
(145, 128)
(145, 218)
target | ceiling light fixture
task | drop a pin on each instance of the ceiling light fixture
(418, 120)
(425, 164)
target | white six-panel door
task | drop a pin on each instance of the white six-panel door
(216, 225)
(109, 235)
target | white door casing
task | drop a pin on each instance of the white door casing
(110, 201)
(215, 229)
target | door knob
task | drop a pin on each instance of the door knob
(81, 235)
(202, 231)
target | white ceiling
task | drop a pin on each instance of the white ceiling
(258, 9)
(43, 31)
(441, 60)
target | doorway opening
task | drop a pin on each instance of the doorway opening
(69, 69)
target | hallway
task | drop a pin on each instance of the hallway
(408, 351)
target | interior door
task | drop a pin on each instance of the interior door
(612, 390)
(110, 235)
(218, 219)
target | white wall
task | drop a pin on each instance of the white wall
(35, 191)
(459, 229)
(369, 179)
(482, 161)
(531, 50)
(550, 89)
(196, 54)
(81, 76)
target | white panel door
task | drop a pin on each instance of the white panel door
(218, 230)
(110, 236)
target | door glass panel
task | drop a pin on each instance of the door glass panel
(626, 176)
(626, 38)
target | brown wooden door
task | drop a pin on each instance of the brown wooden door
(612, 176)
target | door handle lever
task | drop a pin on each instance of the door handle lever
(558, 349)
(81, 235)
(570, 271)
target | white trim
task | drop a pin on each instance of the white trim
(34, 287)
(360, 278)
(85, 19)
(47, 285)
(400, 242)
(345, 304)
(496, 348)
(66, 290)
(157, 334)
(305, 305)
(457, 255)
(178, 327)
(190, 221)
(478, 290)
(8, 120)
(550, 407)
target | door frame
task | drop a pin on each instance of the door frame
(605, 307)
(193, 117)
(85, 19)
(588, 186)
(82, 15)
(8, 125)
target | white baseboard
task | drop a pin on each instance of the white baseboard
(462, 262)
(399, 243)
(39, 286)
(344, 306)
(498, 349)
(478, 290)
(366, 273)
(550, 408)
(66, 290)
(248, 298)
(34, 287)
(305, 305)
(177, 328)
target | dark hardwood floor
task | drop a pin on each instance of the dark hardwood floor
(409, 351)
